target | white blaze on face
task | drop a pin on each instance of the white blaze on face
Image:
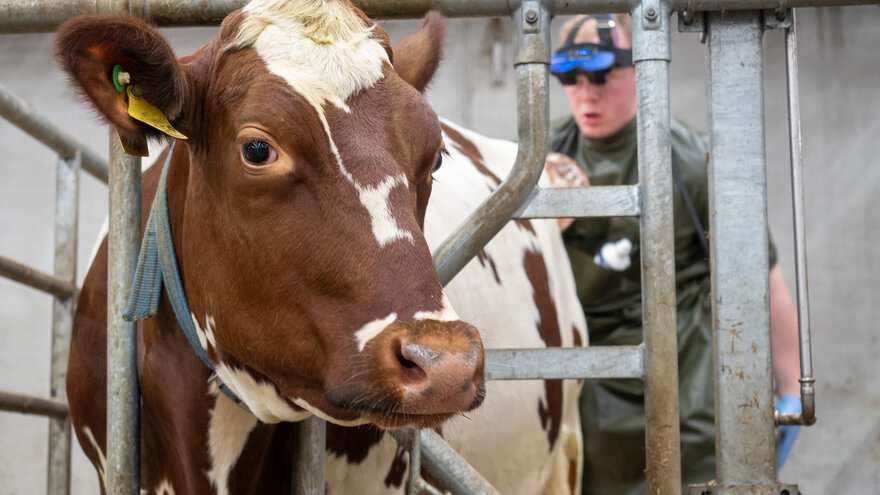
(445, 313)
(326, 54)
(369, 331)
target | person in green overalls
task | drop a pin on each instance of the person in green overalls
(597, 145)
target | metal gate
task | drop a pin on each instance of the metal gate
(734, 30)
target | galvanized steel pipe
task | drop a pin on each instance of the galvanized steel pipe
(444, 463)
(123, 394)
(594, 201)
(66, 221)
(311, 451)
(28, 404)
(651, 55)
(26, 275)
(569, 363)
(745, 444)
(531, 22)
(28, 16)
(22, 115)
(808, 399)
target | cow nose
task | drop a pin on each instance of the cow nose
(438, 371)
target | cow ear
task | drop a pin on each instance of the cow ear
(94, 49)
(417, 56)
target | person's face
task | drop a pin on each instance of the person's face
(601, 111)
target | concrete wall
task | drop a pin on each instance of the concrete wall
(839, 65)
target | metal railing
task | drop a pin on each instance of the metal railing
(734, 47)
(61, 285)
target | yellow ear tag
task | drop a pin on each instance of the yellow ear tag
(140, 109)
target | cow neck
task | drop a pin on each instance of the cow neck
(157, 263)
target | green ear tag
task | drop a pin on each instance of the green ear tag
(140, 109)
(118, 81)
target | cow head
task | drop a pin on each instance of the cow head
(297, 204)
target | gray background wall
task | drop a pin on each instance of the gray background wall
(839, 69)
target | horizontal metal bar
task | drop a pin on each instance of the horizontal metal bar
(29, 404)
(597, 201)
(38, 280)
(444, 463)
(28, 16)
(22, 115)
(558, 363)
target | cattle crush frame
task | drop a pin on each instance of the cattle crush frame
(738, 225)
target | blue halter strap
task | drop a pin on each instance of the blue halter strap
(157, 263)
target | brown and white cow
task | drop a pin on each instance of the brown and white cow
(297, 206)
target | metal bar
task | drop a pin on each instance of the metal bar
(22, 115)
(574, 363)
(309, 465)
(415, 461)
(27, 16)
(531, 22)
(66, 215)
(597, 201)
(38, 280)
(745, 445)
(808, 399)
(445, 464)
(651, 54)
(29, 404)
(123, 395)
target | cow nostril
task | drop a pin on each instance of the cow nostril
(406, 363)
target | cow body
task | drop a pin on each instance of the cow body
(297, 207)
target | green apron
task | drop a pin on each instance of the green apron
(612, 411)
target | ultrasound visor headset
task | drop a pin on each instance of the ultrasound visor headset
(593, 60)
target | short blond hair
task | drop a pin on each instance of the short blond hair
(622, 29)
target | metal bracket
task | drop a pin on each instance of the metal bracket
(692, 22)
(651, 12)
(713, 489)
(777, 19)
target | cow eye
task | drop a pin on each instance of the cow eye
(258, 152)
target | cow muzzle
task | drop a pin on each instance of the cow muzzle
(415, 371)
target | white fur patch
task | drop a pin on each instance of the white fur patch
(102, 459)
(369, 331)
(206, 334)
(375, 200)
(228, 432)
(446, 313)
(263, 399)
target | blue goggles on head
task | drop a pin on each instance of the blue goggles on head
(593, 60)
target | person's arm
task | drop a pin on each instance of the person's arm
(784, 329)
(564, 172)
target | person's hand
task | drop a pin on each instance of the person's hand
(564, 172)
(787, 433)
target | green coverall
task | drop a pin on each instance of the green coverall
(612, 411)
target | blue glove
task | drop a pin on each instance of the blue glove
(787, 433)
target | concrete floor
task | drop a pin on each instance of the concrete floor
(839, 73)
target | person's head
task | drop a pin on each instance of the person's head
(594, 64)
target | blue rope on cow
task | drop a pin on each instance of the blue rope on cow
(157, 262)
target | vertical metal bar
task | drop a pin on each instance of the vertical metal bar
(651, 54)
(415, 461)
(123, 394)
(309, 468)
(808, 410)
(531, 21)
(66, 214)
(745, 446)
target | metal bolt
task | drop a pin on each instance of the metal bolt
(651, 13)
(531, 16)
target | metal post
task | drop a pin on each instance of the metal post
(531, 21)
(651, 54)
(309, 462)
(123, 394)
(66, 215)
(745, 445)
